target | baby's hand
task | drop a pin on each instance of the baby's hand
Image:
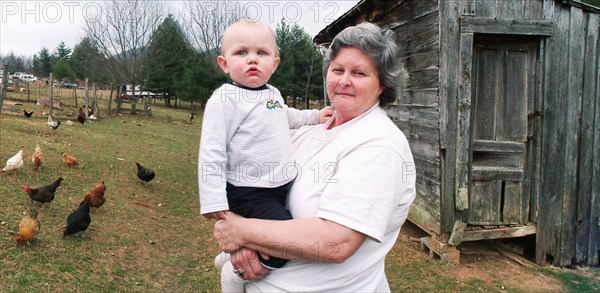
(325, 114)
(220, 215)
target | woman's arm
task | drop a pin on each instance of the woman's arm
(307, 239)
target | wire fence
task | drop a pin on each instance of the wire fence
(66, 100)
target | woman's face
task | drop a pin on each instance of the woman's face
(352, 83)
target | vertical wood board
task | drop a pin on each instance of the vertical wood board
(449, 52)
(573, 110)
(588, 233)
(463, 122)
(553, 148)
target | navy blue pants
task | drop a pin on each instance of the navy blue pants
(260, 203)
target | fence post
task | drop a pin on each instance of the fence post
(50, 92)
(110, 97)
(95, 102)
(4, 86)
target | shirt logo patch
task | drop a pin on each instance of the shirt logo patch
(272, 105)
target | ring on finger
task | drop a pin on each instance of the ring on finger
(240, 272)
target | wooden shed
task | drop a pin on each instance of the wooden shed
(502, 112)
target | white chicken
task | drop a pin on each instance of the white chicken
(14, 163)
(53, 124)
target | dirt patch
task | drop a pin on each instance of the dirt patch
(481, 263)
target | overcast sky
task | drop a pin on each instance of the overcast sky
(27, 26)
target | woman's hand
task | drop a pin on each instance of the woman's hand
(247, 261)
(228, 232)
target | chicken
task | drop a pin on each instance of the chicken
(37, 157)
(144, 174)
(78, 220)
(44, 194)
(96, 197)
(27, 114)
(69, 160)
(14, 163)
(29, 226)
(83, 116)
(53, 124)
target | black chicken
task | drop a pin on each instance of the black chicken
(27, 114)
(144, 174)
(78, 220)
(44, 194)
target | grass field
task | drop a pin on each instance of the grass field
(168, 246)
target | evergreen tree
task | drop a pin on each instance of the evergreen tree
(199, 80)
(63, 52)
(42, 63)
(88, 62)
(163, 62)
(62, 70)
(300, 71)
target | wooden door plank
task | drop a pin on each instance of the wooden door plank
(484, 205)
(513, 112)
(511, 212)
(487, 87)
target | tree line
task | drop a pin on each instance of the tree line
(136, 42)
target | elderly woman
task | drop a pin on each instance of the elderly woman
(355, 185)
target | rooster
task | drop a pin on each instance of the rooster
(14, 163)
(29, 226)
(27, 114)
(69, 160)
(96, 197)
(53, 124)
(44, 194)
(37, 157)
(144, 174)
(78, 220)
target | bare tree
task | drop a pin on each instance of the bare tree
(122, 30)
(206, 22)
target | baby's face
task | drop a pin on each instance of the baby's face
(249, 54)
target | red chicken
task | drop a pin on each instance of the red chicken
(29, 226)
(69, 160)
(44, 194)
(95, 197)
(37, 157)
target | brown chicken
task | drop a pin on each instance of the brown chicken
(37, 157)
(44, 194)
(83, 116)
(95, 197)
(69, 160)
(29, 226)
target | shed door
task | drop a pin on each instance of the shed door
(502, 92)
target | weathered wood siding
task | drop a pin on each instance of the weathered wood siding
(416, 111)
(568, 223)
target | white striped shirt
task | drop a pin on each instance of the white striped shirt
(246, 141)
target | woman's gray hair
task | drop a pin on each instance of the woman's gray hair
(380, 46)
